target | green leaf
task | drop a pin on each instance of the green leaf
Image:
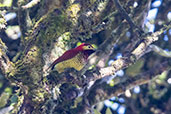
(135, 69)
(96, 111)
(3, 99)
(108, 111)
(14, 99)
(8, 90)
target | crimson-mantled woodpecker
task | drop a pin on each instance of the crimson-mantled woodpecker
(75, 58)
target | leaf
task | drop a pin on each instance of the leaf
(96, 111)
(135, 69)
(108, 111)
(3, 99)
(14, 99)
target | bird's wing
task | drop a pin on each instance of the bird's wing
(67, 55)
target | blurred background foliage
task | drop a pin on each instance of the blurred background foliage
(151, 98)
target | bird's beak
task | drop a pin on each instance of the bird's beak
(93, 50)
(89, 52)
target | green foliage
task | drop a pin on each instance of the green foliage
(135, 68)
(53, 27)
(6, 3)
(56, 24)
(8, 90)
(96, 111)
(1, 84)
(4, 99)
(108, 111)
(14, 99)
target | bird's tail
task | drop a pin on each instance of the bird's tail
(51, 67)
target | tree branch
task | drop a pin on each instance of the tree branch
(104, 48)
(160, 51)
(30, 4)
(10, 9)
(135, 54)
(124, 14)
(114, 37)
(5, 63)
(116, 65)
(102, 91)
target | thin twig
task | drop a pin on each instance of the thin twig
(10, 9)
(160, 51)
(124, 14)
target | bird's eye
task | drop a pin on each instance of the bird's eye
(89, 46)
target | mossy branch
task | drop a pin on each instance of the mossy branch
(5, 64)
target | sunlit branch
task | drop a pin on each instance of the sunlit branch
(138, 52)
(31, 4)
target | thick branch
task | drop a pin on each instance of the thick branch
(135, 55)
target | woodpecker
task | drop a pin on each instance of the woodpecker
(74, 58)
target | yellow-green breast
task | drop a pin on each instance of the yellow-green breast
(76, 62)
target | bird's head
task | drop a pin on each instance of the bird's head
(84, 47)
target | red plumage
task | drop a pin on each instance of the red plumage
(67, 55)
(72, 53)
